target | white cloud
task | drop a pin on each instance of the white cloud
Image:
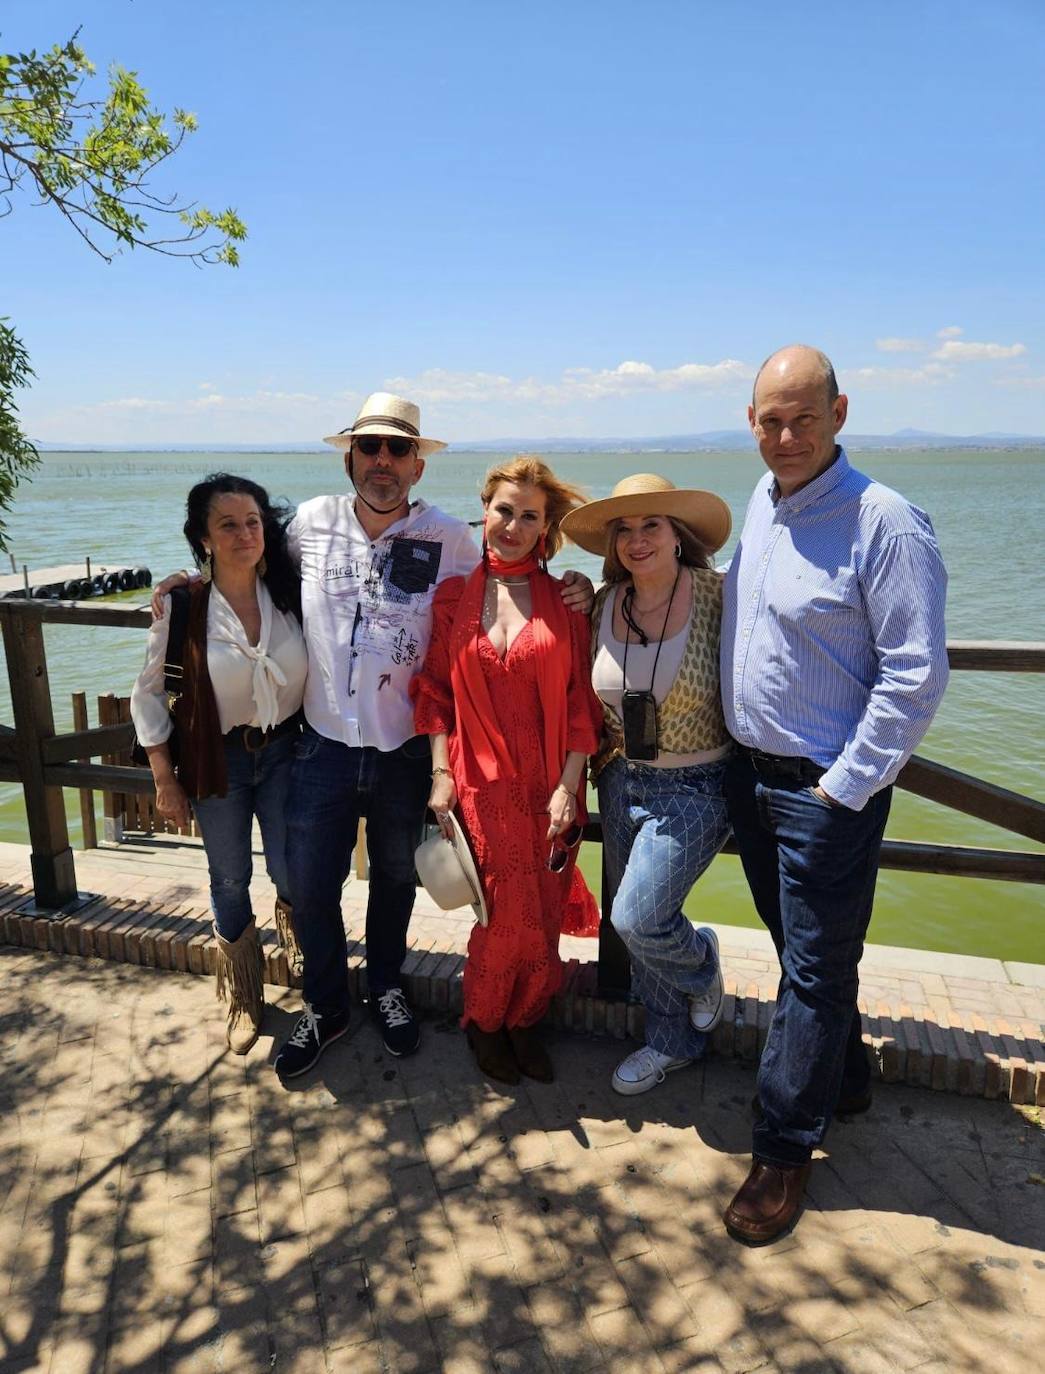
(955, 350)
(892, 345)
(1022, 383)
(950, 331)
(929, 374)
(437, 386)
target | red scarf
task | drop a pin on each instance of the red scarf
(485, 751)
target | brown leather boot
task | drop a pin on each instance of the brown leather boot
(767, 1202)
(530, 1054)
(493, 1053)
(239, 983)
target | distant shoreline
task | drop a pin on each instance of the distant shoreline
(738, 443)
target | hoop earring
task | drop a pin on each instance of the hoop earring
(261, 567)
(207, 568)
(678, 550)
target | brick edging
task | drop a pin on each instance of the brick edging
(973, 1058)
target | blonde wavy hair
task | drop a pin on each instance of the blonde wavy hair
(527, 470)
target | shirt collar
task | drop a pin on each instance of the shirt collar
(814, 490)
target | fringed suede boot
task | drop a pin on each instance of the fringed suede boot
(239, 983)
(288, 941)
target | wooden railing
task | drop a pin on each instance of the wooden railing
(45, 763)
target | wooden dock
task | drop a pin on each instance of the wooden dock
(75, 581)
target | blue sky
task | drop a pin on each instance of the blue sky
(556, 217)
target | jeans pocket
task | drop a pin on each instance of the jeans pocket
(306, 746)
(416, 748)
(819, 801)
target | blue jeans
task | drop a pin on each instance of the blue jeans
(812, 869)
(661, 827)
(257, 786)
(332, 786)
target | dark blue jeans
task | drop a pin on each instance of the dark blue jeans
(811, 868)
(332, 786)
(257, 786)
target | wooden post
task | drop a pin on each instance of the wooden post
(112, 808)
(362, 858)
(87, 817)
(614, 978)
(54, 877)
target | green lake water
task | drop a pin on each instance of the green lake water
(988, 509)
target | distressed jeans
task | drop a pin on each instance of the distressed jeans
(661, 827)
(332, 786)
(257, 786)
(812, 869)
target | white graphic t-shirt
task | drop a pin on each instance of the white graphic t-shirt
(367, 607)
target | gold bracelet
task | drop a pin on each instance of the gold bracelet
(445, 771)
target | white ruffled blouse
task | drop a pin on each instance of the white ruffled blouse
(258, 684)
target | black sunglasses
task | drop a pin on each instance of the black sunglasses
(370, 445)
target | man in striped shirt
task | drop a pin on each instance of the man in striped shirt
(833, 663)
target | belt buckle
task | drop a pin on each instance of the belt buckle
(249, 732)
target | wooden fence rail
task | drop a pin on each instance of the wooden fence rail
(45, 762)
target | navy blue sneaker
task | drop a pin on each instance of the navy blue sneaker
(396, 1022)
(309, 1038)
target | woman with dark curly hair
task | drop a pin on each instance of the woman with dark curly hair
(244, 667)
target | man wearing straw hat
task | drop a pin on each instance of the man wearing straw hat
(833, 663)
(369, 569)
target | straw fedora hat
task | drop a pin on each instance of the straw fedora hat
(448, 872)
(644, 493)
(383, 413)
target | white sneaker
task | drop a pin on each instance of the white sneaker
(705, 1008)
(644, 1069)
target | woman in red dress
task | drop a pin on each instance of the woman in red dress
(505, 695)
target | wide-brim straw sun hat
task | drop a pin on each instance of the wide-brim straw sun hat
(644, 493)
(383, 413)
(448, 872)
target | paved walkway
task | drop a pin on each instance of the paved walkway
(168, 1207)
(955, 1022)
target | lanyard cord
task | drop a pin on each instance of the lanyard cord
(626, 612)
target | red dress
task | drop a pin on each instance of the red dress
(513, 969)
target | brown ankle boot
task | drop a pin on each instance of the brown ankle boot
(493, 1053)
(288, 941)
(530, 1054)
(239, 983)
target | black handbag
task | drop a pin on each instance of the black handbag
(173, 673)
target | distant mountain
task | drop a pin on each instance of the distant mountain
(709, 441)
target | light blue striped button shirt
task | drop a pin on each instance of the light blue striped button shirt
(833, 643)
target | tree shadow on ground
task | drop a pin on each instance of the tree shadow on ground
(167, 1206)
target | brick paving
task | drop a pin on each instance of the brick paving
(955, 1023)
(169, 1207)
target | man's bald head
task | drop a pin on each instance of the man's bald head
(795, 413)
(795, 359)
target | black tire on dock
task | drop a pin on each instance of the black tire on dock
(111, 583)
(41, 593)
(128, 581)
(98, 584)
(73, 589)
(142, 577)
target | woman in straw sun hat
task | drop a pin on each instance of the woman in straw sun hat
(655, 640)
(506, 697)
